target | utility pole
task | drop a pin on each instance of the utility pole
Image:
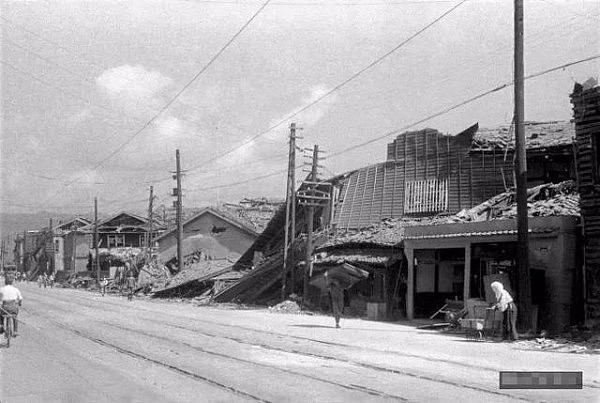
(523, 274)
(51, 235)
(311, 196)
(310, 221)
(290, 200)
(179, 217)
(2, 252)
(96, 258)
(150, 218)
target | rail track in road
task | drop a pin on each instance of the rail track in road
(64, 326)
(86, 302)
(142, 357)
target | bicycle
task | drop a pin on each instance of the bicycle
(9, 324)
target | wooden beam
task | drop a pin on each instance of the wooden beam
(410, 289)
(467, 280)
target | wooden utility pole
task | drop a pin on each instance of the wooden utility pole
(2, 252)
(310, 222)
(523, 274)
(179, 214)
(97, 257)
(51, 254)
(289, 199)
(150, 218)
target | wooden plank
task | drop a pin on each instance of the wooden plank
(410, 291)
(467, 274)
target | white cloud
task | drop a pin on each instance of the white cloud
(169, 127)
(134, 87)
(306, 118)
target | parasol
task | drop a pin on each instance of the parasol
(345, 274)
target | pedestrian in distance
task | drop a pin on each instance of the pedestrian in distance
(506, 305)
(130, 286)
(336, 296)
(51, 280)
(103, 285)
(40, 280)
(45, 280)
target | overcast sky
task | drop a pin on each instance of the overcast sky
(80, 78)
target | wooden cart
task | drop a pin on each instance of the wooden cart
(483, 325)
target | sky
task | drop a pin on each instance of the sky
(79, 79)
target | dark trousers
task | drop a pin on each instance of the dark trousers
(337, 305)
(509, 323)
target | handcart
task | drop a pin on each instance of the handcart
(484, 324)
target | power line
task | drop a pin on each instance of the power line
(337, 87)
(86, 79)
(432, 116)
(100, 66)
(170, 102)
(463, 103)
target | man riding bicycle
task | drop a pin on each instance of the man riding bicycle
(11, 301)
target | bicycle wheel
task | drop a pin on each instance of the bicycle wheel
(8, 330)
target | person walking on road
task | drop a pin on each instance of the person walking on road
(103, 285)
(336, 295)
(40, 280)
(504, 303)
(130, 285)
(45, 280)
(51, 280)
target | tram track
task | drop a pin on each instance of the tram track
(365, 365)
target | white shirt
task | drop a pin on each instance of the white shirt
(504, 300)
(10, 293)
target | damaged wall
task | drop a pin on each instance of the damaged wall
(586, 113)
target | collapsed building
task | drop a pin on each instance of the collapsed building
(427, 178)
(586, 113)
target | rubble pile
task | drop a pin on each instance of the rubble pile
(286, 306)
(562, 345)
(193, 257)
(153, 275)
(254, 213)
(537, 134)
(543, 200)
(118, 256)
(196, 270)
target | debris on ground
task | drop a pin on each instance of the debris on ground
(562, 345)
(286, 306)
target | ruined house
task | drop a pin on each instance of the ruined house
(60, 232)
(586, 112)
(426, 174)
(213, 241)
(123, 230)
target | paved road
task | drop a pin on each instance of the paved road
(76, 346)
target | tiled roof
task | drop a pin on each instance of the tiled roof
(377, 257)
(543, 201)
(538, 135)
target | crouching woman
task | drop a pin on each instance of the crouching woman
(505, 304)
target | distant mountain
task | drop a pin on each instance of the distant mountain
(13, 223)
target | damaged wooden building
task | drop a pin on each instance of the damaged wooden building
(586, 113)
(426, 174)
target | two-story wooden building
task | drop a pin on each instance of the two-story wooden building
(586, 114)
